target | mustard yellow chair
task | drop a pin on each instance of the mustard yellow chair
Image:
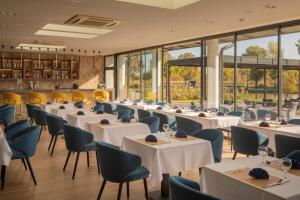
(14, 99)
(57, 96)
(35, 98)
(79, 96)
(101, 95)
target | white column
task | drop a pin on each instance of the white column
(122, 87)
(213, 73)
(159, 71)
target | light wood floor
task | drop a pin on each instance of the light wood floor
(54, 184)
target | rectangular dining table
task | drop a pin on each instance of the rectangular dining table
(5, 156)
(169, 155)
(114, 132)
(230, 180)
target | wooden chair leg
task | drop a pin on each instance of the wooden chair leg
(75, 167)
(23, 161)
(120, 191)
(67, 160)
(53, 147)
(127, 187)
(3, 171)
(146, 188)
(31, 171)
(97, 159)
(88, 158)
(234, 155)
(101, 189)
(52, 137)
(41, 132)
(200, 170)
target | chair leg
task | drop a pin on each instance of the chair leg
(200, 170)
(234, 155)
(127, 188)
(101, 189)
(55, 138)
(41, 132)
(52, 137)
(88, 158)
(31, 171)
(3, 170)
(98, 166)
(75, 167)
(66, 163)
(179, 174)
(120, 191)
(146, 188)
(23, 161)
(248, 156)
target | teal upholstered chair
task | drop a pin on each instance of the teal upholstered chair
(294, 121)
(187, 125)
(7, 115)
(108, 108)
(164, 119)
(286, 144)
(121, 167)
(295, 155)
(122, 107)
(40, 118)
(124, 114)
(143, 113)
(261, 113)
(30, 112)
(152, 122)
(12, 129)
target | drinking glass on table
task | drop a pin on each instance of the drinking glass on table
(286, 165)
(268, 117)
(167, 131)
(263, 152)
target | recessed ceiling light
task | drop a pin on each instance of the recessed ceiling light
(65, 34)
(40, 47)
(169, 4)
(75, 29)
(8, 13)
(269, 6)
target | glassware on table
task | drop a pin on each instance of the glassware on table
(263, 152)
(286, 165)
(165, 127)
(268, 117)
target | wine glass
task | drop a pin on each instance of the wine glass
(268, 117)
(286, 164)
(263, 152)
(165, 127)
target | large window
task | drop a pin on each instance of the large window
(109, 72)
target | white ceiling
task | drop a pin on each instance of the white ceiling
(141, 26)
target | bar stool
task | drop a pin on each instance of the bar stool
(101, 95)
(59, 97)
(79, 96)
(14, 99)
(37, 98)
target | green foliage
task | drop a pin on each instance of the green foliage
(256, 51)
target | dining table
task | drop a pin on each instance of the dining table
(230, 180)
(5, 156)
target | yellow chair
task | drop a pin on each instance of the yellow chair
(79, 96)
(37, 98)
(101, 95)
(57, 96)
(14, 99)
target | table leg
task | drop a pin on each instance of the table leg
(163, 194)
(3, 169)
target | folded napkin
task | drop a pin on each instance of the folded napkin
(66, 102)
(99, 112)
(295, 164)
(220, 114)
(159, 108)
(264, 124)
(181, 134)
(202, 115)
(49, 103)
(134, 104)
(79, 104)
(259, 173)
(283, 122)
(178, 111)
(62, 107)
(151, 138)
(80, 113)
(104, 121)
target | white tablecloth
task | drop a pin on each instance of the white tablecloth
(207, 122)
(69, 110)
(115, 132)
(215, 182)
(176, 156)
(81, 120)
(293, 131)
(5, 151)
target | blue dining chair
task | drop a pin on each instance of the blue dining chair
(216, 139)
(143, 113)
(121, 167)
(294, 121)
(235, 113)
(246, 141)
(98, 106)
(152, 122)
(30, 112)
(12, 129)
(286, 144)
(125, 113)
(294, 155)
(108, 108)
(122, 107)
(40, 118)
(181, 188)
(7, 115)
(23, 145)
(77, 141)
(55, 128)
(164, 119)
(187, 125)
(261, 113)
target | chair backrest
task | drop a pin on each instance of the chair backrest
(181, 188)
(116, 164)
(261, 113)
(26, 140)
(76, 138)
(163, 119)
(249, 115)
(10, 98)
(125, 113)
(143, 113)
(244, 140)
(98, 106)
(40, 117)
(55, 124)
(79, 96)
(15, 127)
(122, 107)
(216, 139)
(187, 125)
(37, 98)
(108, 108)
(286, 144)
(58, 96)
(30, 111)
(7, 115)
(235, 113)
(294, 121)
(294, 155)
(152, 122)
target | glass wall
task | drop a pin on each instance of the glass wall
(121, 77)
(109, 72)
(134, 76)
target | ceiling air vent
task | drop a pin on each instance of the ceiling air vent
(85, 20)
